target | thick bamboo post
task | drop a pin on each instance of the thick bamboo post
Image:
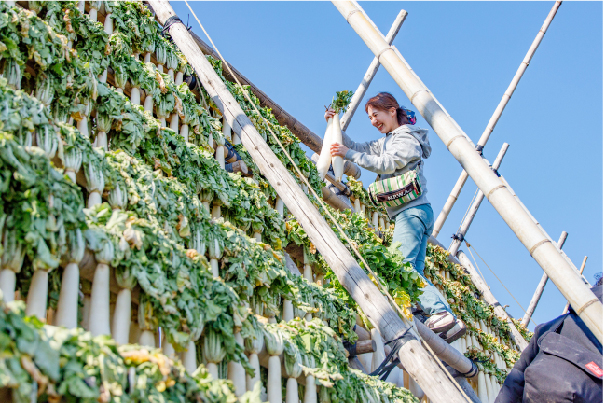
(540, 289)
(460, 234)
(566, 309)
(416, 360)
(454, 194)
(371, 72)
(536, 241)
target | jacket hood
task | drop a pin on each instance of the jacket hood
(421, 135)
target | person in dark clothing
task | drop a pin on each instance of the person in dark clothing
(562, 363)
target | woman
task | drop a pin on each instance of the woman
(401, 150)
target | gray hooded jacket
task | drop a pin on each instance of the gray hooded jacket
(395, 154)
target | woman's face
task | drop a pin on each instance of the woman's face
(384, 120)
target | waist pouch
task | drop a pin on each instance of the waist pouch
(397, 190)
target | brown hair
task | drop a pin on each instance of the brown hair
(385, 101)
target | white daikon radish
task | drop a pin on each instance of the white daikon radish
(108, 27)
(488, 387)
(99, 296)
(184, 132)
(206, 196)
(96, 183)
(122, 316)
(307, 268)
(274, 347)
(12, 260)
(37, 297)
(253, 345)
(213, 351)
(279, 206)
(375, 219)
(310, 393)
(357, 206)
(236, 372)
(324, 160)
(174, 123)
(66, 314)
(190, 357)
(287, 310)
(337, 137)
(221, 152)
(482, 391)
(94, 7)
(147, 338)
(148, 103)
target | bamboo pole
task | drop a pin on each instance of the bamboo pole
(540, 289)
(458, 143)
(566, 309)
(460, 234)
(456, 191)
(371, 72)
(422, 366)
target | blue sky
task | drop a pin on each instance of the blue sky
(466, 53)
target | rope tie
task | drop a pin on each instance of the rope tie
(383, 51)
(493, 190)
(384, 368)
(452, 139)
(351, 14)
(171, 21)
(415, 94)
(533, 248)
(589, 303)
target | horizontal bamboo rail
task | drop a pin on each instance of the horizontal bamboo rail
(458, 143)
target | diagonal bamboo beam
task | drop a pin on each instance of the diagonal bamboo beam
(540, 289)
(371, 72)
(538, 243)
(456, 191)
(460, 234)
(421, 365)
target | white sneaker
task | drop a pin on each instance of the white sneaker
(440, 322)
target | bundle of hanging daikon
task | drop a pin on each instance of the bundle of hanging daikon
(333, 135)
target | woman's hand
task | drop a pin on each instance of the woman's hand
(338, 150)
(329, 114)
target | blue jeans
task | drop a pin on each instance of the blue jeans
(413, 228)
